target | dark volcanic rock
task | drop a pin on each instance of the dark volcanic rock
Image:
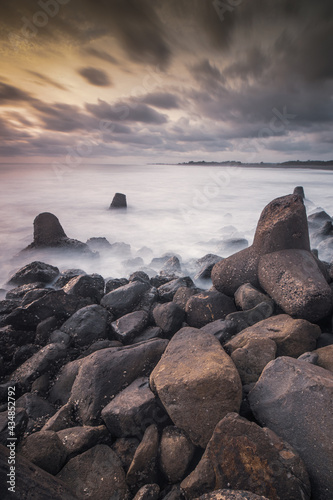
(244, 319)
(124, 299)
(292, 278)
(190, 393)
(126, 328)
(143, 469)
(206, 307)
(38, 410)
(66, 276)
(125, 448)
(103, 374)
(182, 295)
(87, 325)
(299, 190)
(295, 399)
(248, 297)
(45, 449)
(119, 201)
(282, 225)
(91, 286)
(77, 440)
(167, 291)
(20, 291)
(96, 474)
(112, 284)
(33, 273)
(171, 266)
(318, 219)
(222, 329)
(148, 492)
(251, 359)
(176, 453)
(243, 456)
(99, 244)
(169, 317)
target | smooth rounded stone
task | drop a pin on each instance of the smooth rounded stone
(31, 481)
(96, 473)
(47, 230)
(87, 325)
(124, 299)
(167, 291)
(295, 400)
(125, 448)
(149, 333)
(325, 357)
(119, 201)
(176, 453)
(77, 440)
(231, 495)
(196, 378)
(148, 492)
(21, 422)
(41, 385)
(19, 292)
(293, 337)
(66, 276)
(251, 359)
(88, 285)
(59, 337)
(309, 357)
(38, 410)
(282, 225)
(244, 319)
(63, 383)
(243, 456)
(324, 339)
(34, 272)
(293, 279)
(114, 283)
(44, 449)
(299, 190)
(42, 361)
(247, 297)
(143, 469)
(149, 298)
(169, 317)
(99, 244)
(206, 307)
(171, 266)
(132, 410)
(45, 328)
(126, 328)
(139, 276)
(182, 295)
(23, 353)
(222, 329)
(62, 419)
(105, 373)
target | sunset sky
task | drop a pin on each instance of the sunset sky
(118, 81)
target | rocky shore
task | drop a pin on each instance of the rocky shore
(151, 388)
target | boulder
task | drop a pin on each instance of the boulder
(77, 440)
(38, 410)
(292, 278)
(282, 225)
(169, 317)
(63, 383)
(244, 319)
(167, 291)
(45, 449)
(132, 410)
(143, 469)
(247, 297)
(182, 296)
(295, 400)
(114, 283)
(96, 473)
(66, 276)
(126, 328)
(231, 495)
(64, 418)
(325, 357)
(176, 453)
(293, 337)
(206, 265)
(86, 286)
(87, 325)
(299, 190)
(33, 273)
(206, 307)
(125, 449)
(242, 456)
(19, 292)
(119, 201)
(99, 244)
(318, 219)
(148, 492)
(124, 299)
(251, 359)
(196, 378)
(103, 374)
(222, 329)
(171, 266)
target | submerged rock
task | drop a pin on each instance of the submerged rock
(119, 201)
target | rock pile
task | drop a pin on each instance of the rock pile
(150, 388)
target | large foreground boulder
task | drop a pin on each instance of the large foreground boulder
(241, 455)
(197, 383)
(282, 225)
(295, 399)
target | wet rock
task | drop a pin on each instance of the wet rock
(44, 449)
(119, 201)
(112, 284)
(125, 448)
(293, 337)
(33, 295)
(66, 276)
(34, 272)
(105, 373)
(96, 473)
(19, 292)
(124, 299)
(242, 455)
(244, 319)
(132, 410)
(189, 393)
(169, 317)
(293, 279)
(171, 266)
(38, 410)
(148, 492)
(77, 440)
(31, 481)
(299, 190)
(176, 453)
(126, 328)
(139, 276)
(206, 307)
(295, 400)
(8, 305)
(87, 325)
(91, 286)
(251, 359)
(247, 297)
(167, 291)
(282, 225)
(143, 469)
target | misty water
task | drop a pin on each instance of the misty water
(185, 210)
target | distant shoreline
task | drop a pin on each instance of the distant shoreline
(314, 165)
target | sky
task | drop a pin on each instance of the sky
(118, 81)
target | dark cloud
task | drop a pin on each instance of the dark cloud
(95, 77)
(163, 100)
(62, 117)
(99, 54)
(46, 80)
(126, 111)
(10, 94)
